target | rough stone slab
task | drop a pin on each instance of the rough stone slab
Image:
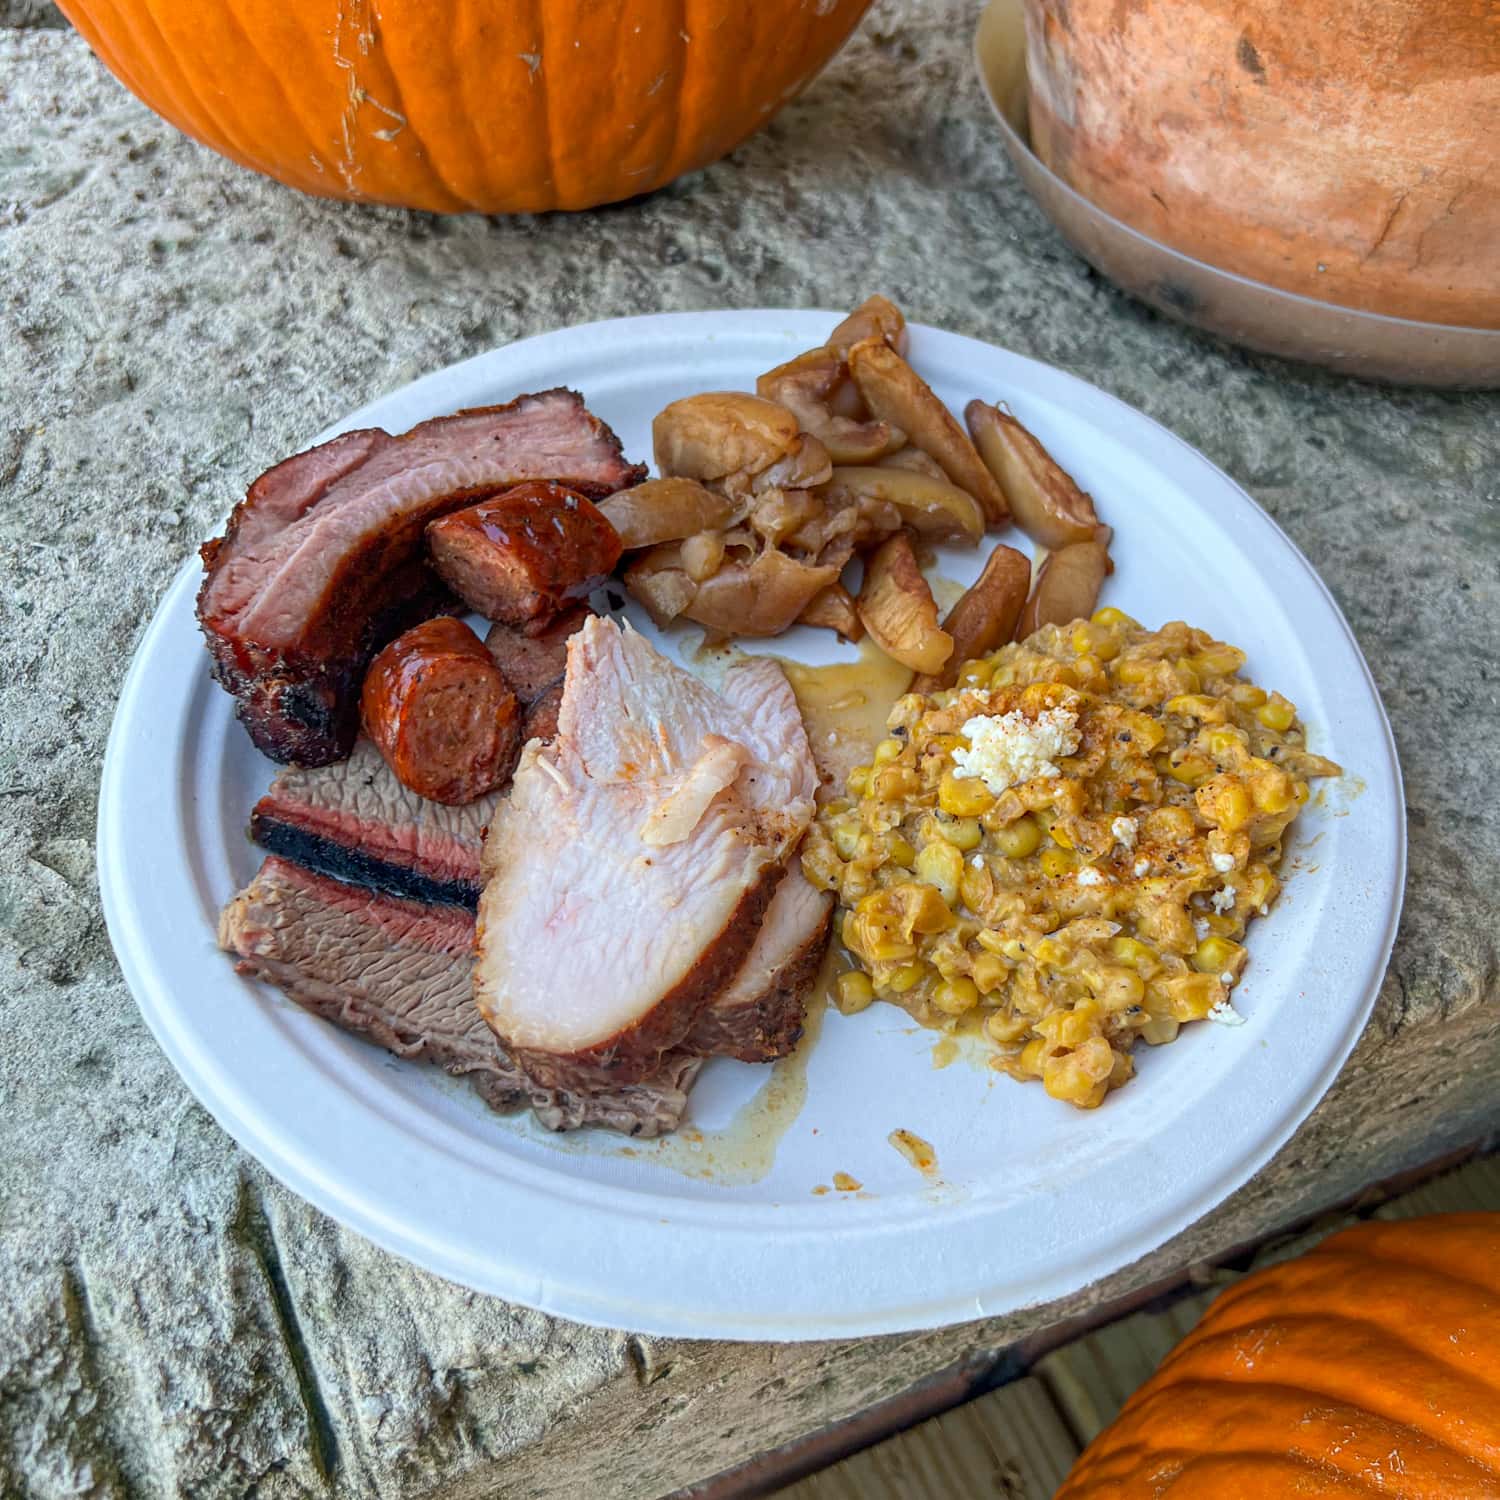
(171, 1321)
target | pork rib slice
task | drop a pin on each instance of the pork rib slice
(399, 974)
(321, 563)
(758, 1016)
(629, 869)
(354, 821)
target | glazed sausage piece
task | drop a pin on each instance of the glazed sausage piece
(441, 713)
(524, 556)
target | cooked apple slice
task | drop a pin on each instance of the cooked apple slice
(1044, 501)
(985, 616)
(895, 393)
(1067, 587)
(897, 608)
(932, 507)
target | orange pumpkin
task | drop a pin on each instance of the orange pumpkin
(1343, 149)
(1368, 1367)
(494, 106)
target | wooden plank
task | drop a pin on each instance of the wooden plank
(1012, 1443)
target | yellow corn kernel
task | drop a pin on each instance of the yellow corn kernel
(1017, 840)
(974, 674)
(906, 977)
(941, 865)
(1247, 695)
(1118, 989)
(1161, 1029)
(956, 996)
(990, 972)
(1088, 665)
(881, 949)
(1080, 1077)
(1071, 1028)
(859, 781)
(1033, 1056)
(837, 806)
(976, 887)
(1222, 742)
(1189, 769)
(962, 833)
(1146, 732)
(854, 884)
(1081, 639)
(1006, 1029)
(888, 750)
(1217, 955)
(1056, 862)
(923, 909)
(1129, 950)
(1056, 832)
(899, 850)
(854, 992)
(1111, 617)
(1049, 951)
(947, 743)
(1197, 706)
(846, 839)
(893, 783)
(1257, 885)
(1219, 660)
(1135, 672)
(1187, 675)
(964, 796)
(1277, 713)
(1192, 996)
(1273, 790)
(1223, 800)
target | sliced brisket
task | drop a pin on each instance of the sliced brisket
(398, 973)
(321, 562)
(355, 822)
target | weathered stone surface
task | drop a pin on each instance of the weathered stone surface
(173, 1322)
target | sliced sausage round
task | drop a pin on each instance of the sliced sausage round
(526, 555)
(441, 714)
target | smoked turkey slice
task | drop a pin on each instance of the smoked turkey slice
(628, 871)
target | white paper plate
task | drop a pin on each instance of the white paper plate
(719, 1231)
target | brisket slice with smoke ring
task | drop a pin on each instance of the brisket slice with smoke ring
(398, 973)
(355, 822)
(321, 563)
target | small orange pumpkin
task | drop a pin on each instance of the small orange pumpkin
(1368, 1367)
(496, 106)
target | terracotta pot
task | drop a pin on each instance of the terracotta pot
(1345, 149)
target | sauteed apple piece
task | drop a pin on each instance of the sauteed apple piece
(984, 619)
(1044, 501)
(898, 610)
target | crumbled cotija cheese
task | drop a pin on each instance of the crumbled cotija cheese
(1124, 832)
(1223, 863)
(1223, 900)
(1088, 875)
(1008, 749)
(1142, 868)
(1225, 1014)
(1201, 928)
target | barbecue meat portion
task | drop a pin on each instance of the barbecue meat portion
(398, 973)
(394, 971)
(758, 1016)
(442, 713)
(525, 556)
(532, 664)
(322, 562)
(628, 870)
(355, 822)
